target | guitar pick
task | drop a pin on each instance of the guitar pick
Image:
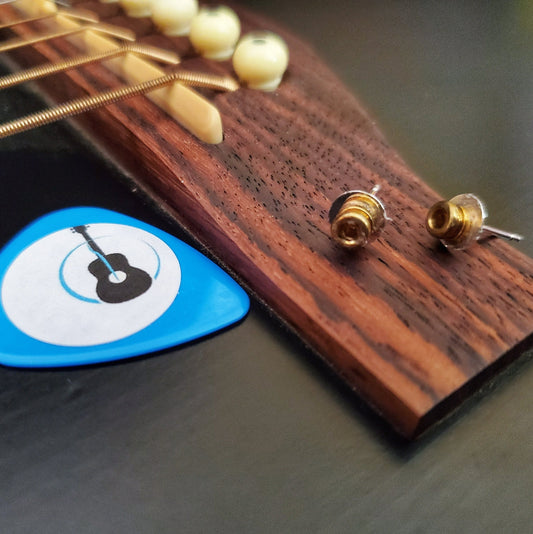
(88, 285)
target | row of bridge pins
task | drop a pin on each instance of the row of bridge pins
(259, 58)
(90, 22)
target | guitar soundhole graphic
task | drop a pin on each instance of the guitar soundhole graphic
(117, 280)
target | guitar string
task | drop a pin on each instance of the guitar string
(53, 68)
(80, 14)
(81, 105)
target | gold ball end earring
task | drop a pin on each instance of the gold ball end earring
(356, 218)
(458, 222)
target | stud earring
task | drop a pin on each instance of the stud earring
(458, 222)
(356, 218)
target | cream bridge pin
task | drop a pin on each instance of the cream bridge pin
(86, 285)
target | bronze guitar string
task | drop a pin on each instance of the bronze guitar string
(100, 27)
(80, 14)
(81, 105)
(158, 54)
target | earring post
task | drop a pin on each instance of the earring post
(496, 232)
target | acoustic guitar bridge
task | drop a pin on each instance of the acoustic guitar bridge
(412, 327)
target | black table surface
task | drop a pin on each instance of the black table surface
(247, 431)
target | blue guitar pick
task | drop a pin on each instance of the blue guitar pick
(88, 285)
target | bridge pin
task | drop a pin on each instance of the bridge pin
(215, 32)
(174, 17)
(260, 60)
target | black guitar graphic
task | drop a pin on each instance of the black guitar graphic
(117, 280)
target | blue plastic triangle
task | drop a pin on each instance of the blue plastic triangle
(88, 285)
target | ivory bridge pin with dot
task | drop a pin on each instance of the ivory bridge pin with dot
(458, 222)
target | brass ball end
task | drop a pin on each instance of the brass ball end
(356, 218)
(445, 220)
(351, 228)
(456, 222)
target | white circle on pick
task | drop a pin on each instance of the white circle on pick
(49, 294)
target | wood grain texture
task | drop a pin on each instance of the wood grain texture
(411, 327)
